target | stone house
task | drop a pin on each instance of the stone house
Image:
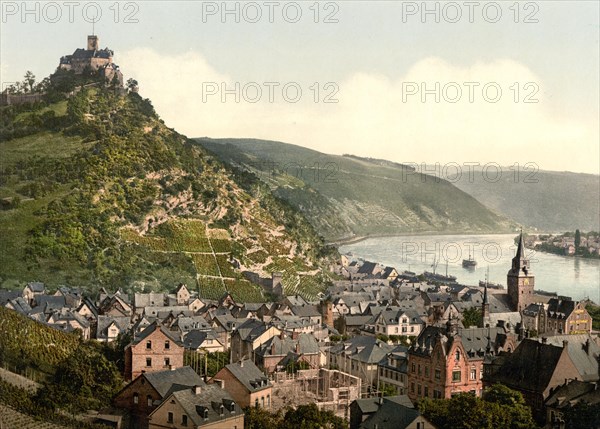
(154, 349)
(446, 361)
(246, 384)
(142, 395)
(199, 407)
(33, 289)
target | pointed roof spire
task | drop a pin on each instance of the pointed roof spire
(520, 253)
(485, 294)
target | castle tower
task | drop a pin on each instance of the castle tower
(93, 43)
(519, 280)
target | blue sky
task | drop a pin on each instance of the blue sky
(372, 57)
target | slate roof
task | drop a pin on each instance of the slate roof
(305, 310)
(474, 340)
(391, 415)
(277, 346)
(363, 348)
(530, 367)
(583, 351)
(150, 329)
(210, 399)
(148, 299)
(163, 381)
(247, 373)
(572, 392)
(37, 287)
(251, 328)
(105, 321)
(194, 339)
(367, 268)
(370, 405)
(49, 302)
(20, 305)
(7, 295)
(560, 308)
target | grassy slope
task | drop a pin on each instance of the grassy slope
(116, 189)
(346, 196)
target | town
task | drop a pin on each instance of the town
(372, 346)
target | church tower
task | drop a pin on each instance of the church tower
(93, 43)
(519, 280)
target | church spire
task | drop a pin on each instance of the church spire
(520, 263)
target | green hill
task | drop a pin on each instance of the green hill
(551, 201)
(346, 197)
(97, 191)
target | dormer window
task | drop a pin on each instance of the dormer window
(205, 414)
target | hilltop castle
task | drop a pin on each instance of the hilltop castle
(94, 59)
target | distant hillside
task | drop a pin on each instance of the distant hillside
(346, 197)
(557, 202)
(97, 191)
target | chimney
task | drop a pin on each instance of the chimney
(242, 363)
(565, 344)
(544, 340)
(196, 390)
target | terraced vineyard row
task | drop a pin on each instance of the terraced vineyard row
(44, 346)
(10, 418)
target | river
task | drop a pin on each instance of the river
(577, 278)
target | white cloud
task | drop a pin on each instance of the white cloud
(376, 117)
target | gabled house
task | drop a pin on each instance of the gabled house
(444, 361)
(247, 384)
(199, 407)
(33, 289)
(392, 412)
(154, 349)
(109, 328)
(202, 341)
(142, 395)
(279, 351)
(248, 336)
(533, 369)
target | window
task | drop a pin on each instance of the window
(419, 369)
(419, 389)
(262, 401)
(457, 355)
(456, 375)
(412, 329)
(167, 345)
(169, 417)
(149, 400)
(148, 361)
(167, 361)
(413, 367)
(438, 374)
(148, 344)
(268, 400)
(184, 420)
(412, 387)
(473, 374)
(136, 398)
(426, 392)
(426, 371)
(256, 402)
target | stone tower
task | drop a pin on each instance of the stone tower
(519, 280)
(93, 43)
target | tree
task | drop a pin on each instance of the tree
(29, 80)
(577, 239)
(501, 408)
(582, 415)
(132, 84)
(472, 317)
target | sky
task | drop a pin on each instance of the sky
(501, 83)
